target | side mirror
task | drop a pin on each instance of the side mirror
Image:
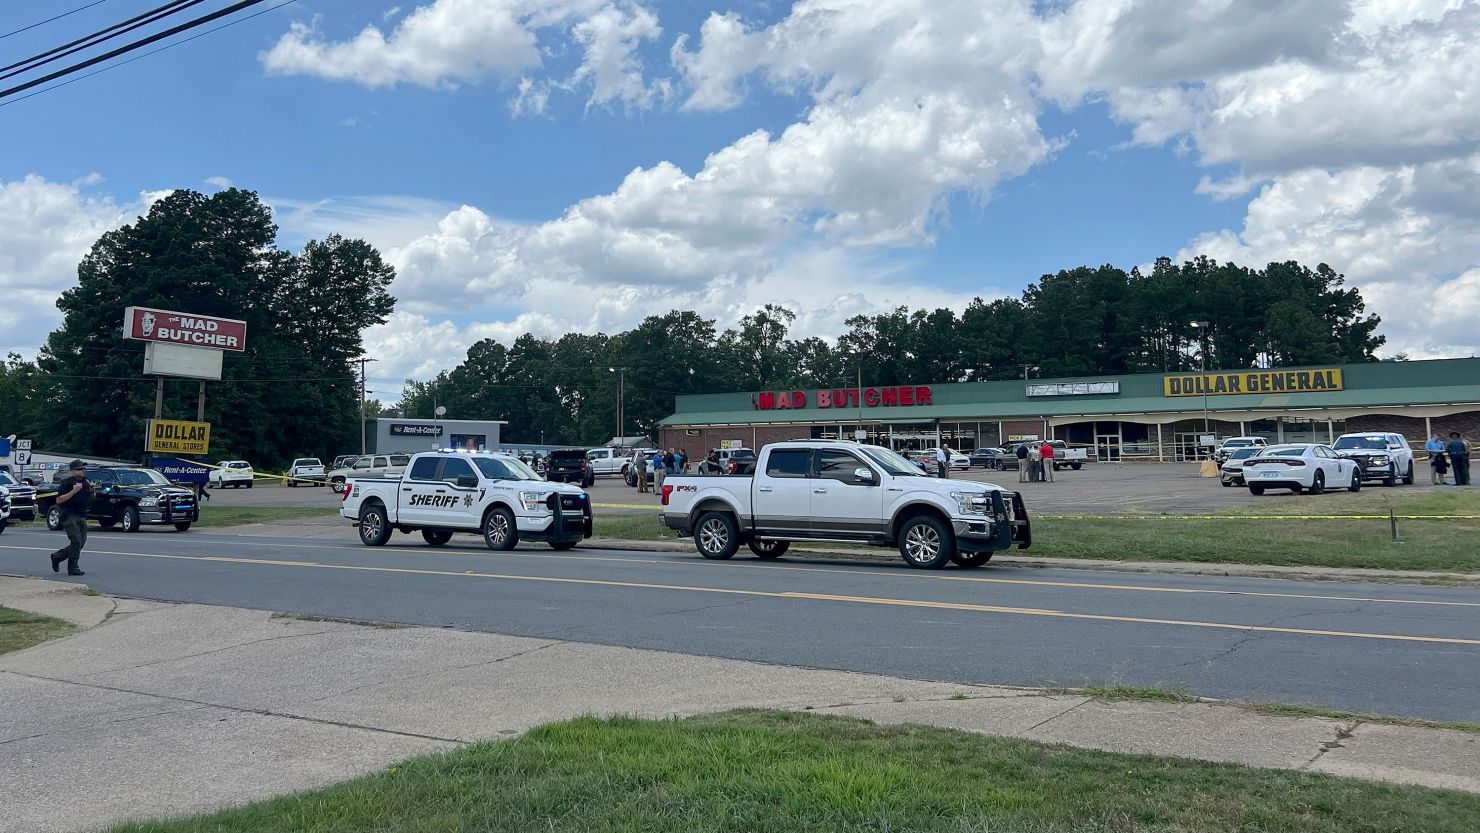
(467, 481)
(863, 474)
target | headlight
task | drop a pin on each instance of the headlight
(970, 503)
(531, 501)
(149, 501)
(1380, 459)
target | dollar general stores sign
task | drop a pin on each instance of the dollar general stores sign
(1318, 380)
(171, 436)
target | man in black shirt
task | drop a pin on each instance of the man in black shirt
(73, 496)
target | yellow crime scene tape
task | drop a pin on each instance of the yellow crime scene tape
(1053, 517)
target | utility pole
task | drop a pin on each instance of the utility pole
(1028, 367)
(1202, 331)
(621, 391)
(362, 360)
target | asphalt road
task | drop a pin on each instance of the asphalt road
(1408, 650)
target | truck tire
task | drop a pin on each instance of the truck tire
(129, 522)
(716, 536)
(971, 559)
(499, 529)
(1392, 478)
(926, 543)
(54, 518)
(107, 523)
(375, 527)
(436, 537)
(182, 526)
(768, 550)
(1408, 478)
(1075, 466)
(249, 484)
(562, 545)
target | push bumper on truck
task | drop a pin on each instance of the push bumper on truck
(568, 519)
(1006, 525)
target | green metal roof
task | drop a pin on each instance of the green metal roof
(1437, 382)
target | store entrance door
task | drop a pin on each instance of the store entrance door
(1107, 447)
(1186, 449)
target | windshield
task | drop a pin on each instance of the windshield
(890, 462)
(6, 480)
(140, 477)
(307, 461)
(1243, 453)
(742, 454)
(1236, 443)
(501, 468)
(1361, 442)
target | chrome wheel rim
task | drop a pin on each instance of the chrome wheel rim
(714, 536)
(370, 526)
(498, 528)
(765, 546)
(922, 543)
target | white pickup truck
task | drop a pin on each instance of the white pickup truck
(843, 491)
(443, 492)
(370, 466)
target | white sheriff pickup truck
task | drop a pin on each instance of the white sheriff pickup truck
(494, 495)
(843, 491)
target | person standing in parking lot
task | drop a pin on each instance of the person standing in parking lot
(1458, 450)
(942, 456)
(640, 464)
(660, 469)
(1438, 468)
(1046, 452)
(1434, 445)
(1022, 457)
(74, 495)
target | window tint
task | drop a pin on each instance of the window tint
(362, 463)
(788, 462)
(400, 459)
(455, 467)
(837, 465)
(1286, 452)
(101, 476)
(425, 469)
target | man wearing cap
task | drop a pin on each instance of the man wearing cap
(74, 494)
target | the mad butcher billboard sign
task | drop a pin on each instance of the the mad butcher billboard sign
(171, 327)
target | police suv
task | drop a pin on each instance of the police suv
(491, 494)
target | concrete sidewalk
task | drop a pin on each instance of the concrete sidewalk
(164, 709)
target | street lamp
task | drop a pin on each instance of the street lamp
(621, 389)
(1028, 367)
(1202, 328)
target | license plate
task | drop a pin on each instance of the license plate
(1269, 474)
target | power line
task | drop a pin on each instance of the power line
(50, 19)
(56, 53)
(150, 52)
(139, 44)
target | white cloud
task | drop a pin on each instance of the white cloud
(219, 182)
(1408, 237)
(452, 42)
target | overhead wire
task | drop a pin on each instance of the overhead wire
(180, 42)
(139, 44)
(56, 53)
(50, 19)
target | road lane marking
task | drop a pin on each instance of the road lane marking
(875, 600)
(688, 562)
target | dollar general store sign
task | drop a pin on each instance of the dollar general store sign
(1318, 380)
(175, 437)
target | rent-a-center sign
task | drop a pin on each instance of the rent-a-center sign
(881, 397)
(191, 330)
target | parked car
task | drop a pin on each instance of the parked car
(1065, 457)
(233, 473)
(371, 465)
(988, 458)
(491, 494)
(306, 470)
(22, 498)
(570, 465)
(1379, 456)
(344, 461)
(128, 497)
(922, 461)
(1229, 445)
(1231, 473)
(843, 491)
(955, 460)
(629, 471)
(1300, 467)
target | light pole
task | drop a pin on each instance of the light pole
(621, 390)
(1202, 328)
(363, 392)
(1028, 367)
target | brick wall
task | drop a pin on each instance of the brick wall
(1013, 427)
(1467, 423)
(751, 436)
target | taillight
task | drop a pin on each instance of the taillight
(1294, 462)
(667, 490)
(344, 491)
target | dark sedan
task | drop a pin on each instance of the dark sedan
(987, 458)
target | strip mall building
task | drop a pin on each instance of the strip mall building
(1149, 416)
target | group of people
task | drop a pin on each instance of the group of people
(1444, 456)
(672, 461)
(1035, 462)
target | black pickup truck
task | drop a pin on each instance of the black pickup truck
(127, 497)
(569, 465)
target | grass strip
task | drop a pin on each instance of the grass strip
(237, 515)
(781, 772)
(20, 630)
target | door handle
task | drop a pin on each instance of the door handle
(819, 491)
(441, 491)
(894, 489)
(407, 489)
(763, 488)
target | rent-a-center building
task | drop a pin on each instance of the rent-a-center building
(1156, 416)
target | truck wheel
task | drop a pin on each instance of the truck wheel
(767, 550)
(108, 523)
(54, 518)
(182, 526)
(971, 559)
(562, 545)
(716, 536)
(499, 530)
(1392, 478)
(292, 483)
(130, 520)
(1075, 466)
(4, 523)
(249, 484)
(436, 537)
(1408, 478)
(375, 528)
(926, 542)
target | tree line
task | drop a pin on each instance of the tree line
(1086, 321)
(293, 391)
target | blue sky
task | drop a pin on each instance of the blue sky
(914, 152)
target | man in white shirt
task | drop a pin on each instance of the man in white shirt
(942, 458)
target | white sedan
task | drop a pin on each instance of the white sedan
(956, 460)
(233, 473)
(1301, 467)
